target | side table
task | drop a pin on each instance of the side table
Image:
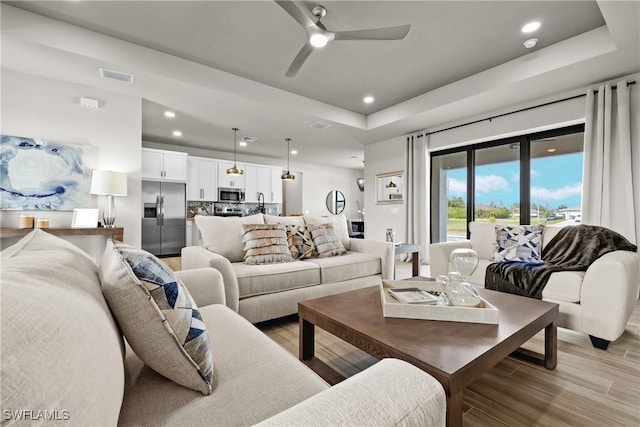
(415, 251)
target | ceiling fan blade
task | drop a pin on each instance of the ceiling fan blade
(299, 60)
(295, 12)
(391, 33)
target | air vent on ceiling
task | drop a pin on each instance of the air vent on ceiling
(116, 75)
(319, 125)
(249, 139)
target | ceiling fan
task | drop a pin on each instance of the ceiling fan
(319, 36)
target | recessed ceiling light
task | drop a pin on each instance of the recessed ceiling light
(531, 27)
(243, 143)
(169, 114)
(368, 99)
(531, 43)
(551, 150)
(177, 133)
(294, 152)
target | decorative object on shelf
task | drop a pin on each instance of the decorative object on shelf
(25, 221)
(234, 170)
(389, 188)
(37, 174)
(288, 176)
(110, 184)
(42, 222)
(85, 218)
(390, 236)
(360, 182)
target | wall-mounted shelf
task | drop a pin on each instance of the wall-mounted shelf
(116, 232)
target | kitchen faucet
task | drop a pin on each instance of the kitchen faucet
(261, 202)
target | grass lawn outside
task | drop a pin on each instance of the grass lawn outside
(457, 227)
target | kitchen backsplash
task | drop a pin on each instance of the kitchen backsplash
(208, 208)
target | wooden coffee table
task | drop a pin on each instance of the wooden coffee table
(454, 353)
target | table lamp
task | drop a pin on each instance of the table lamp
(110, 184)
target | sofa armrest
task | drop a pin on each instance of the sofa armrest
(205, 285)
(200, 257)
(439, 255)
(609, 293)
(384, 250)
(391, 392)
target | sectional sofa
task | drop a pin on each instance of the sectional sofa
(64, 360)
(261, 292)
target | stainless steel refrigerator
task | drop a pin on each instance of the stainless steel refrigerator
(163, 217)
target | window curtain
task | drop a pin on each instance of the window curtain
(611, 192)
(416, 193)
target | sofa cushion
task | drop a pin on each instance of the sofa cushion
(286, 220)
(326, 240)
(483, 238)
(339, 225)
(256, 378)
(265, 244)
(300, 241)
(61, 348)
(352, 265)
(157, 316)
(564, 286)
(268, 278)
(519, 243)
(223, 235)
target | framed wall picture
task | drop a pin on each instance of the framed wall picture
(85, 218)
(43, 175)
(389, 188)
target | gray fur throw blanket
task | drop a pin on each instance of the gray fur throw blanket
(574, 248)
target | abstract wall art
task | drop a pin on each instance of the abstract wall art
(36, 174)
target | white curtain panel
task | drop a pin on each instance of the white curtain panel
(417, 165)
(610, 193)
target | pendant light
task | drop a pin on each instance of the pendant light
(288, 176)
(235, 170)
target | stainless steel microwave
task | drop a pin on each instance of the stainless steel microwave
(228, 194)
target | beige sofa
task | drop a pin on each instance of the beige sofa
(64, 361)
(269, 291)
(597, 302)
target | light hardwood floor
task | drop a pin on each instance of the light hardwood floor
(588, 388)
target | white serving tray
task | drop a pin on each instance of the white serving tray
(485, 313)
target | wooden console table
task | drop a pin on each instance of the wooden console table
(116, 232)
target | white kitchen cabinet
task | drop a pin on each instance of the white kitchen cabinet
(229, 181)
(251, 183)
(161, 165)
(276, 185)
(202, 182)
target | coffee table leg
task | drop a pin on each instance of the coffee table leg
(307, 340)
(551, 346)
(454, 410)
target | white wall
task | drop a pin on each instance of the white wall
(383, 157)
(317, 181)
(49, 109)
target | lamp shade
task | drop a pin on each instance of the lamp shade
(108, 183)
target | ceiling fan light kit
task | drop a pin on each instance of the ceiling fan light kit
(235, 170)
(318, 36)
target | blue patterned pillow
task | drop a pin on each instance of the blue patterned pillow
(519, 243)
(157, 316)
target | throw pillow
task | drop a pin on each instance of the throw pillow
(326, 240)
(300, 241)
(265, 244)
(157, 316)
(519, 243)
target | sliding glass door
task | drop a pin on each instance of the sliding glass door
(530, 179)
